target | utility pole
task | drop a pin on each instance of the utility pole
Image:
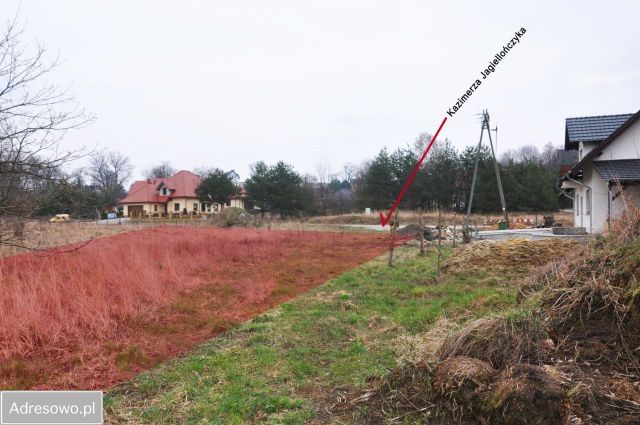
(485, 126)
(503, 204)
(495, 130)
(473, 179)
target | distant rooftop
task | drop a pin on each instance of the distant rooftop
(592, 129)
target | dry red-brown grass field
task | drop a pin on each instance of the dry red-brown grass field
(93, 317)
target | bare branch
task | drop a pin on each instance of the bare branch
(34, 117)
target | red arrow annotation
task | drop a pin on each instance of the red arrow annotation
(383, 220)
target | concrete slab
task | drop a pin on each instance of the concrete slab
(533, 234)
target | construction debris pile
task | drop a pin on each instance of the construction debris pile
(508, 256)
(523, 222)
(431, 233)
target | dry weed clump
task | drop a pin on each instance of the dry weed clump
(38, 234)
(499, 341)
(591, 303)
(575, 359)
(524, 393)
(508, 256)
(459, 381)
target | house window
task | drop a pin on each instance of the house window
(229, 203)
(195, 206)
(164, 190)
(588, 206)
(155, 208)
(577, 202)
(176, 206)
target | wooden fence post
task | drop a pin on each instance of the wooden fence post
(439, 239)
(454, 228)
(392, 242)
(421, 230)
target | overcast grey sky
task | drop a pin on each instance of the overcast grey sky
(225, 84)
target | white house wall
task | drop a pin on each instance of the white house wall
(584, 148)
(596, 221)
(626, 146)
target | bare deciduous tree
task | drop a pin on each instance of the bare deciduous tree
(160, 171)
(34, 116)
(349, 172)
(421, 142)
(323, 172)
(109, 171)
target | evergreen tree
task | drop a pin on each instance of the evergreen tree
(277, 188)
(403, 162)
(286, 190)
(438, 177)
(217, 187)
(379, 183)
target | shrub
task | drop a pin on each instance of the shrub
(232, 216)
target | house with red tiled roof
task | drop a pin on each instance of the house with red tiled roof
(172, 195)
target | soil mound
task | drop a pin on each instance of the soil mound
(498, 341)
(525, 394)
(508, 256)
(459, 382)
(412, 230)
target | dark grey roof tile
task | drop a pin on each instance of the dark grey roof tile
(619, 170)
(594, 129)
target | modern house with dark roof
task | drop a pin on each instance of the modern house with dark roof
(608, 170)
(172, 195)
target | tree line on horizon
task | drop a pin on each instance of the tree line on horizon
(529, 177)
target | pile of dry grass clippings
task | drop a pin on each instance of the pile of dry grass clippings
(508, 256)
(575, 358)
(592, 301)
(499, 341)
(459, 381)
